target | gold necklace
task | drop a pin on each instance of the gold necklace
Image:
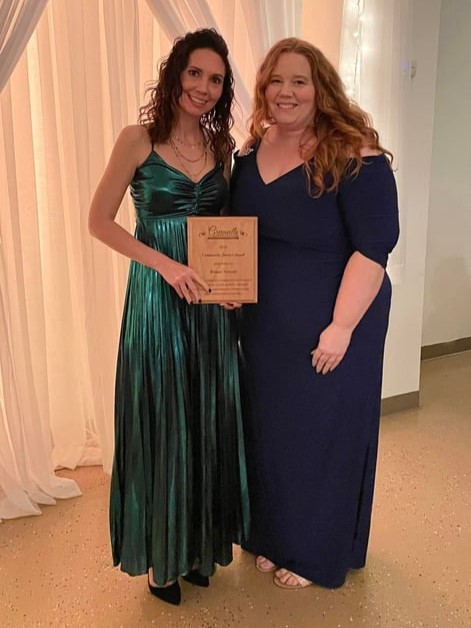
(180, 154)
(194, 176)
(189, 144)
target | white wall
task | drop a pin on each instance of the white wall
(447, 304)
(402, 360)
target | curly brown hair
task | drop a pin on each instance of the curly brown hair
(160, 113)
(341, 129)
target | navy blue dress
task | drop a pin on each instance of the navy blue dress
(311, 438)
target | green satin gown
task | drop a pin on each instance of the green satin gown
(178, 490)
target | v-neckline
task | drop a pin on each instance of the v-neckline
(281, 176)
(170, 167)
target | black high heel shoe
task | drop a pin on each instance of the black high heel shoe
(170, 594)
(194, 577)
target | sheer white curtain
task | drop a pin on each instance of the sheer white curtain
(18, 19)
(375, 66)
(79, 81)
(26, 469)
(271, 20)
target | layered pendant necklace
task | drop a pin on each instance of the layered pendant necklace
(182, 142)
(182, 158)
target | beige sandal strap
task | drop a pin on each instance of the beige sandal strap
(264, 564)
(301, 582)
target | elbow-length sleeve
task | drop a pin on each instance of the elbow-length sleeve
(368, 203)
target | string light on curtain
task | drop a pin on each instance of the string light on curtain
(352, 47)
(375, 36)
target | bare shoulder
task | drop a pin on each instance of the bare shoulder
(134, 135)
(367, 151)
(368, 147)
(134, 143)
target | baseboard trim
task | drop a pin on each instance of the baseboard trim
(445, 348)
(399, 403)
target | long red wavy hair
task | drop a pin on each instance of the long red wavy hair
(340, 127)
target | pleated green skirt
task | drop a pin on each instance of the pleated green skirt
(179, 496)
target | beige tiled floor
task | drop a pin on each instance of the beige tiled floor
(55, 569)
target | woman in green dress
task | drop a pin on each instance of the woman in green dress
(178, 486)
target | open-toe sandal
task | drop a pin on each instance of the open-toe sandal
(264, 564)
(301, 583)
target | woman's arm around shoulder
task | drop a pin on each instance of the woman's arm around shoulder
(247, 147)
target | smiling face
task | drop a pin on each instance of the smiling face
(290, 92)
(202, 82)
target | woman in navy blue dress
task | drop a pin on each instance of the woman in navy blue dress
(322, 187)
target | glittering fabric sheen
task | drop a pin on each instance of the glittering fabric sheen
(178, 489)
